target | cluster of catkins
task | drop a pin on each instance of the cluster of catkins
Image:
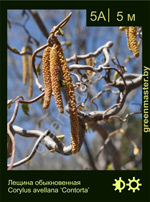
(53, 61)
(131, 33)
(27, 67)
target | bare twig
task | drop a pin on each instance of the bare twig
(107, 141)
(13, 143)
(21, 52)
(30, 156)
(91, 160)
(25, 29)
(101, 92)
(108, 45)
(113, 152)
(39, 22)
(13, 147)
(62, 23)
(126, 117)
(93, 116)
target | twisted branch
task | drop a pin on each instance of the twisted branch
(30, 156)
(51, 141)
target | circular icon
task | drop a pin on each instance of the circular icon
(119, 184)
(131, 186)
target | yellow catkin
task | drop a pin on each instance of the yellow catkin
(55, 79)
(47, 77)
(30, 90)
(91, 62)
(24, 65)
(133, 41)
(71, 97)
(127, 35)
(131, 33)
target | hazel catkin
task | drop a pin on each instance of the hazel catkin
(132, 41)
(55, 79)
(127, 35)
(24, 65)
(90, 62)
(30, 90)
(71, 96)
(131, 34)
(47, 77)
